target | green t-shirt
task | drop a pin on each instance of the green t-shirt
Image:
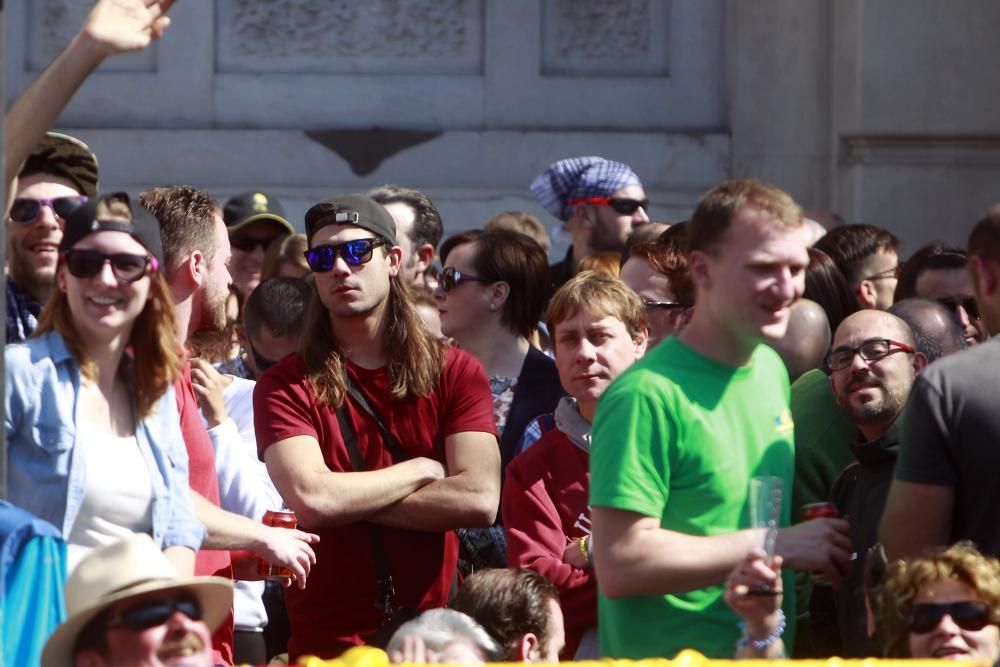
(678, 437)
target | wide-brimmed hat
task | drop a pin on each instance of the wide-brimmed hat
(129, 567)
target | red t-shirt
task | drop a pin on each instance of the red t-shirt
(337, 608)
(203, 479)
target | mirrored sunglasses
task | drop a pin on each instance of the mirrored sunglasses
(26, 209)
(127, 267)
(321, 258)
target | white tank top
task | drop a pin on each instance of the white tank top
(118, 493)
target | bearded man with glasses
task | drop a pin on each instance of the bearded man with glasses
(378, 435)
(59, 175)
(872, 363)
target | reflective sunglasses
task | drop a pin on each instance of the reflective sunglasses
(968, 304)
(969, 615)
(151, 613)
(25, 209)
(451, 278)
(870, 350)
(662, 304)
(127, 267)
(250, 243)
(354, 253)
(622, 205)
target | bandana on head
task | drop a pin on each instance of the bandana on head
(577, 178)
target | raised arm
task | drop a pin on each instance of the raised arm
(467, 498)
(322, 497)
(113, 26)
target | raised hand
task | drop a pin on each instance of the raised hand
(117, 26)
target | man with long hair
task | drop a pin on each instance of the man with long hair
(377, 435)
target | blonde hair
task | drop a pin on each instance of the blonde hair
(598, 294)
(905, 580)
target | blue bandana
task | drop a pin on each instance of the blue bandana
(577, 178)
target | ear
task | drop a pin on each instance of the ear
(194, 269)
(866, 295)
(527, 648)
(919, 362)
(61, 278)
(499, 291)
(699, 269)
(425, 257)
(88, 658)
(640, 343)
(394, 255)
(685, 317)
(984, 276)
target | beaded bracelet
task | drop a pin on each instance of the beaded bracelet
(761, 644)
(583, 549)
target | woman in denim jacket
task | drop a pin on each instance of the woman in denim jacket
(93, 436)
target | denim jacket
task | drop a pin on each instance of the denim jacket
(45, 478)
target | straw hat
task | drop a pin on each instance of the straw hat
(132, 566)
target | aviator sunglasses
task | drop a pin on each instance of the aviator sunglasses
(354, 253)
(151, 613)
(125, 266)
(969, 615)
(25, 209)
(622, 205)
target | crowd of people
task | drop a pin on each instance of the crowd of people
(477, 456)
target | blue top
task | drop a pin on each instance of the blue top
(45, 478)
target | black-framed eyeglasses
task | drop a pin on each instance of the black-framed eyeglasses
(649, 303)
(27, 209)
(153, 612)
(451, 278)
(88, 263)
(623, 205)
(885, 275)
(970, 615)
(250, 243)
(870, 350)
(321, 258)
(968, 304)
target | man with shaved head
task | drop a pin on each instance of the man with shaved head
(872, 363)
(935, 329)
(807, 339)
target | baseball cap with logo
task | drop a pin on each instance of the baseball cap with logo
(353, 209)
(65, 156)
(252, 206)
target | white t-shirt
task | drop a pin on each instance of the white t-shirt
(118, 492)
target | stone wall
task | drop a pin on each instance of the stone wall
(883, 111)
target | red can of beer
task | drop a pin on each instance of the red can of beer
(824, 510)
(277, 519)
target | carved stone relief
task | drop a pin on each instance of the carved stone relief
(347, 36)
(53, 23)
(595, 37)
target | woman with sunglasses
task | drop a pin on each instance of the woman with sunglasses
(490, 296)
(93, 436)
(941, 605)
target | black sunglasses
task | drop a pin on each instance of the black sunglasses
(154, 612)
(968, 304)
(127, 267)
(250, 243)
(25, 209)
(451, 278)
(622, 205)
(969, 615)
(321, 258)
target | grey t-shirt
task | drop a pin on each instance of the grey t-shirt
(951, 437)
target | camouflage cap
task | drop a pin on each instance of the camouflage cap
(65, 156)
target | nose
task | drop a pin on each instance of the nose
(106, 275)
(963, 316)
(47, 217)
(947, 626)
(340, 266)
(585, 353)
(859, 364)
(790, 284)
(640, 216)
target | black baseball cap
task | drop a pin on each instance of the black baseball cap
(353, 209)
(252, 206)
(83, 221)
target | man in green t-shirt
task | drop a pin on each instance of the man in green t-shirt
(678, 437)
